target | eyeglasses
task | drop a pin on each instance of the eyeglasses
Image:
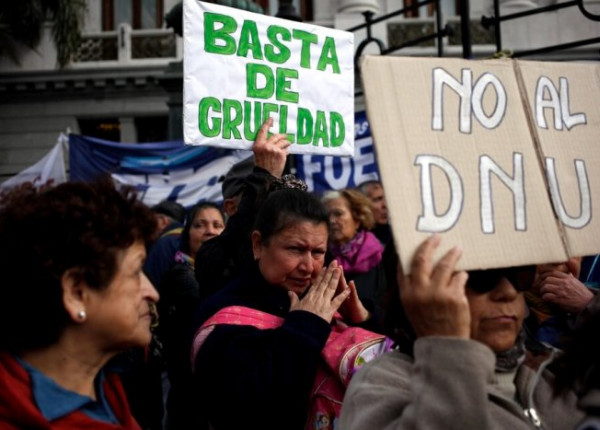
(483, 281)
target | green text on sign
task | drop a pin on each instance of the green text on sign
(219, 39)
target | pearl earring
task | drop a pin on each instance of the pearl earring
(81, 314)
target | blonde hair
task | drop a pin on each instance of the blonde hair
(360, 206)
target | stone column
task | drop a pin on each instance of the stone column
(359, 6)
(172, 82)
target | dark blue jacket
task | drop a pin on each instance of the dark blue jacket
(162, 253)
(252, 378)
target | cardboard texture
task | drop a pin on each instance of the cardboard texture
(457, 148)
(241, 68)
(566, 125)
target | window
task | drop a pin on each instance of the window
(151, 128)
(101, 128)
(138, 13)
(449, 8)
(303, 7)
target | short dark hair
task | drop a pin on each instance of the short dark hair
(235, 179)
(172, 209)
(76, 225)
(286, 207)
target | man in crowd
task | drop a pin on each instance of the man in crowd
(170, 216)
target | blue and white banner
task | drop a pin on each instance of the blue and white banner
(48, 171)
(162, 170)
(323, 173)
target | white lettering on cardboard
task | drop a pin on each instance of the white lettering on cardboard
(515, 183)
(430, 221)
(559, 103)
(481, 85)
(471, 97)
(585, 199)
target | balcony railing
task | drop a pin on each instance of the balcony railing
(126, 46)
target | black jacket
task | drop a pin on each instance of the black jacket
(221, 259)
(252, 378)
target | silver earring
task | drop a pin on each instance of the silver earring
(81, 314)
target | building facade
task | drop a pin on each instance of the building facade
(124, 83)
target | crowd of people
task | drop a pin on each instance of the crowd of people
(278, 309)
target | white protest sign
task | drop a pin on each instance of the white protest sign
(458, 150)
(241, 68)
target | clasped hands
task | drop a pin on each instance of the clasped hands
(330, 293)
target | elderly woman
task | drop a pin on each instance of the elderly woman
(73, 296)
(355, 248)
(180, 296)
(260, 375)
(468, 368)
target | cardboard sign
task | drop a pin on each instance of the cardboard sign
(241, 68)
(457, 148)
(564, 104)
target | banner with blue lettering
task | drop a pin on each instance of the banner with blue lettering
(161, 170)
(323, 172)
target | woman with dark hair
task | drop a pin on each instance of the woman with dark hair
(260, 339)
(203, 222)
(355, 248)
(73, 296)
(468, 366)
(180, 296)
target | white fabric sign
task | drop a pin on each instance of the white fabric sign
(50, 170)
(241, 68)
(187, 187)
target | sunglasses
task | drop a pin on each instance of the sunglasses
(483, 281)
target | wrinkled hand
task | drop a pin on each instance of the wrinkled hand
(434, 297)
(564, 290)
(270, 153)
(352, 309)
(321, 298)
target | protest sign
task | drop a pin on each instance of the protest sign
(241, 68)
(49, 171)
(325, 172)
(564, 102)
(456, 148)
(158, 171)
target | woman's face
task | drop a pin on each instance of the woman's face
(119, 316)
(497, 315)
(207, 224)
(294, 257)
(342, 224)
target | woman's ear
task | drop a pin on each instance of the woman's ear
(230, 206)
(256, 244)
(73, 293)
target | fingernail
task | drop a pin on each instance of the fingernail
(435, 237)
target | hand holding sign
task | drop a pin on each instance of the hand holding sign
(434, 295)
(270, 152)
